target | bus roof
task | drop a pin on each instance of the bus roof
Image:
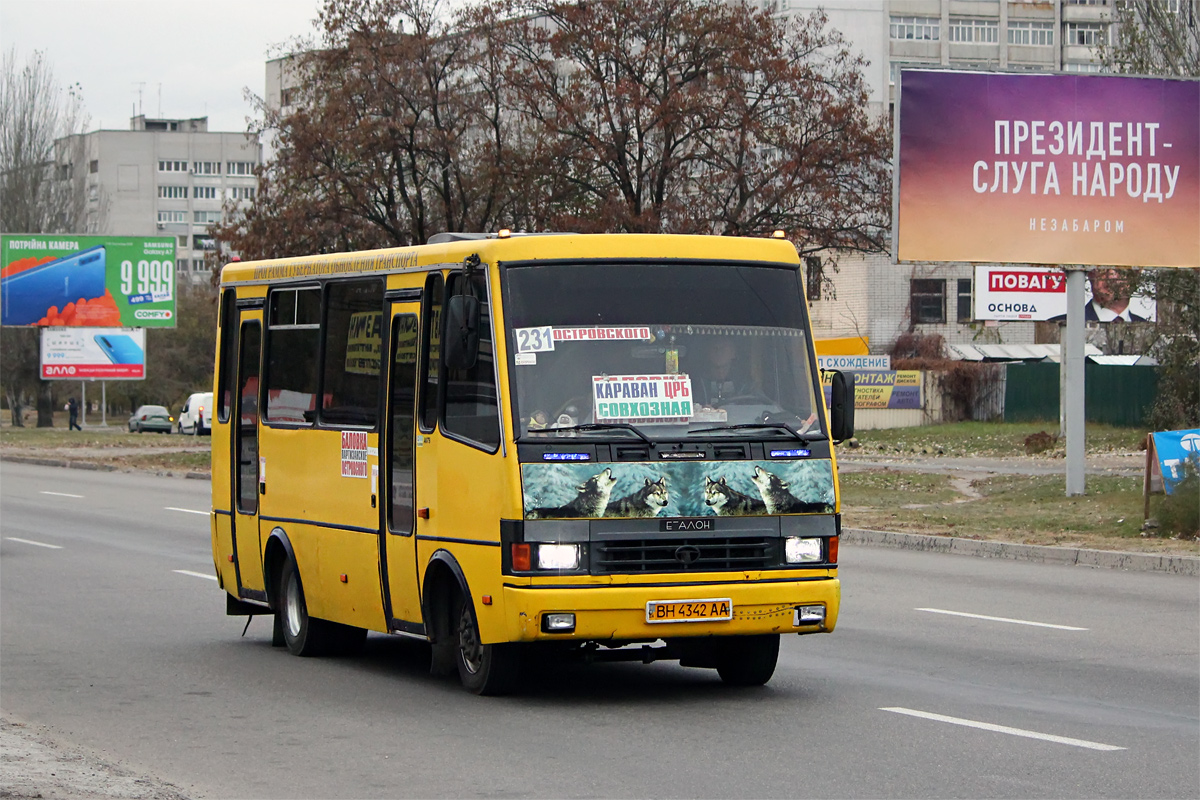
(517, 247)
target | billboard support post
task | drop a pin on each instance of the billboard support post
(83, 403)
(103, 404)
(1074, 404)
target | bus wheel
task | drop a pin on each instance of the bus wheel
(487, 669)
(748, 660)
(303, 635)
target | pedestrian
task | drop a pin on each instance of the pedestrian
(73, 415)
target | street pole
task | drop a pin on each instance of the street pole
(1073, 406)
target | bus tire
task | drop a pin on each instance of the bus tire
(748, 660)
(303, 635)
(484, 669)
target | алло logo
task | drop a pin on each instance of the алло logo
(152, 313)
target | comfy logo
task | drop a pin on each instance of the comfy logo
(151, 313)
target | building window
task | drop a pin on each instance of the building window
(183, 240)
(1088, 34)
(1087, 2)
(1084, 67)
(974, 31)
(814, 275)
(94, 166)
(965, 307)
(172, 216)
(928, 300)
(922, 28)
(239, 168)
(206, 167)
(200, 242)
(172, 166)
(198, 265)
(206, 217)
(204, 192)
(173, 192)
(1037, 34)
(242, 192)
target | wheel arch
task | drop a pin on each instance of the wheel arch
(443, 577)
(275, 555)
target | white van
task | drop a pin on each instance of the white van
(196, 415)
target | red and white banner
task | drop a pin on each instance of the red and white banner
(83, 353)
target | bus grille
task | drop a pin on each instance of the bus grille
(684, 555)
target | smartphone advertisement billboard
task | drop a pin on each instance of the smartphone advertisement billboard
(87, 281)
(1048, 169)
(102, 353)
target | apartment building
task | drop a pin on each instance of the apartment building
(164, 177)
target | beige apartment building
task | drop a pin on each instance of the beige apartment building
(164, 177)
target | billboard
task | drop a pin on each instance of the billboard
(881, 388)
(1040, 293)
(82, 353)
(87, 281)
(1048, 169)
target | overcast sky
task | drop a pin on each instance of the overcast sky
(202, 53)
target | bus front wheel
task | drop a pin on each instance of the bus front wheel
(485, 669)
(748, 660)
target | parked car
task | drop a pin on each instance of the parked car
(196, 415)
(151, 418)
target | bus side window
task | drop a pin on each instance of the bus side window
(470, 408)
(353, 343)
(431, 352)
(293, 344)
(225, 380)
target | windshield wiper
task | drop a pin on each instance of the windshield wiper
(781, 426)
(600, 426)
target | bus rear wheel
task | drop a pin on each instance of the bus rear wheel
(748, 660)
(305, 635)
(484, 669)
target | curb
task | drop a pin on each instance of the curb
(91, 465)
(1040, 554)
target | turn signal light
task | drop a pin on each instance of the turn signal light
(833, 549)
(522, 557)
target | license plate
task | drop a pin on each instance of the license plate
(712, 609)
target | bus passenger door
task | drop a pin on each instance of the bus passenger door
(246, 546)
(399, 509)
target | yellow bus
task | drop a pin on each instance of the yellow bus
(611, 446)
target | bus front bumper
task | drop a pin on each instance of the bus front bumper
(622, 612)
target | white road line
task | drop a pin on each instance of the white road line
(38, 544)
(185, 510)
(195, 574)
(987, 726)
(1000, 619)
(64, 494)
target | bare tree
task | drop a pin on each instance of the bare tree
(42, 174)
(1155, 37)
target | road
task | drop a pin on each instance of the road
(1067, 682)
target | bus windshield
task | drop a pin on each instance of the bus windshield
(659, 349)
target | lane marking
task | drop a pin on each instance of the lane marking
(64, 494)
(987, 726)
(37, 544)
(195, 574)
(185, 510)
(1000, 619)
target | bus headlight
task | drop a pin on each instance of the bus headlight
(800, 551)
(558, 556)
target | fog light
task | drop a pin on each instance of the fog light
(798, 551)
(558, 623)
(558, 556)
(808, 615)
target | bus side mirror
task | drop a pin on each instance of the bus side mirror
(460, 337)
(841, 407)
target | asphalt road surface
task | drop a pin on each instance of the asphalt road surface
(948, 676)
